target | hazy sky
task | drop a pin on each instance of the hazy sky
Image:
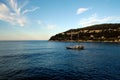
(40, 19)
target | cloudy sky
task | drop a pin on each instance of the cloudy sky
(40, 19)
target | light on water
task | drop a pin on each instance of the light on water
(44, 60)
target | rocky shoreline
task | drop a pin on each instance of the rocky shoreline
(83, 41)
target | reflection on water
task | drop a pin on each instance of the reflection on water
(43, 60)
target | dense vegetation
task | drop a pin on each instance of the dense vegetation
(102, 32)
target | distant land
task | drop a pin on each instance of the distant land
(94, 33)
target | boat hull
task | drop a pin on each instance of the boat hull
(78, 47)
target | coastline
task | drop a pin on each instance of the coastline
(95, 33)
(82, 41)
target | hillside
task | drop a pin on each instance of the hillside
(101, 32)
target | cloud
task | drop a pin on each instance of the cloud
(39, 22)
(48, 26)
(81, 10)
(14, 13)
(94, 19)
(27, 11)
(51, 27)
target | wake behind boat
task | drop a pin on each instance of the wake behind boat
(76, 47)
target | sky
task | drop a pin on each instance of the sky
(41, 19)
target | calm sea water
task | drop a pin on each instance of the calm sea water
(44, 60)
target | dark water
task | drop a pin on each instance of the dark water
(43, 60)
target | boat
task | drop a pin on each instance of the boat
(76, 47)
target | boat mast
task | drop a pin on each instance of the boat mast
(71, 35)
(78, 35)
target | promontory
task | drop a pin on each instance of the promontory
(99, 32)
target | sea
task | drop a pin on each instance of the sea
(48, 60)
